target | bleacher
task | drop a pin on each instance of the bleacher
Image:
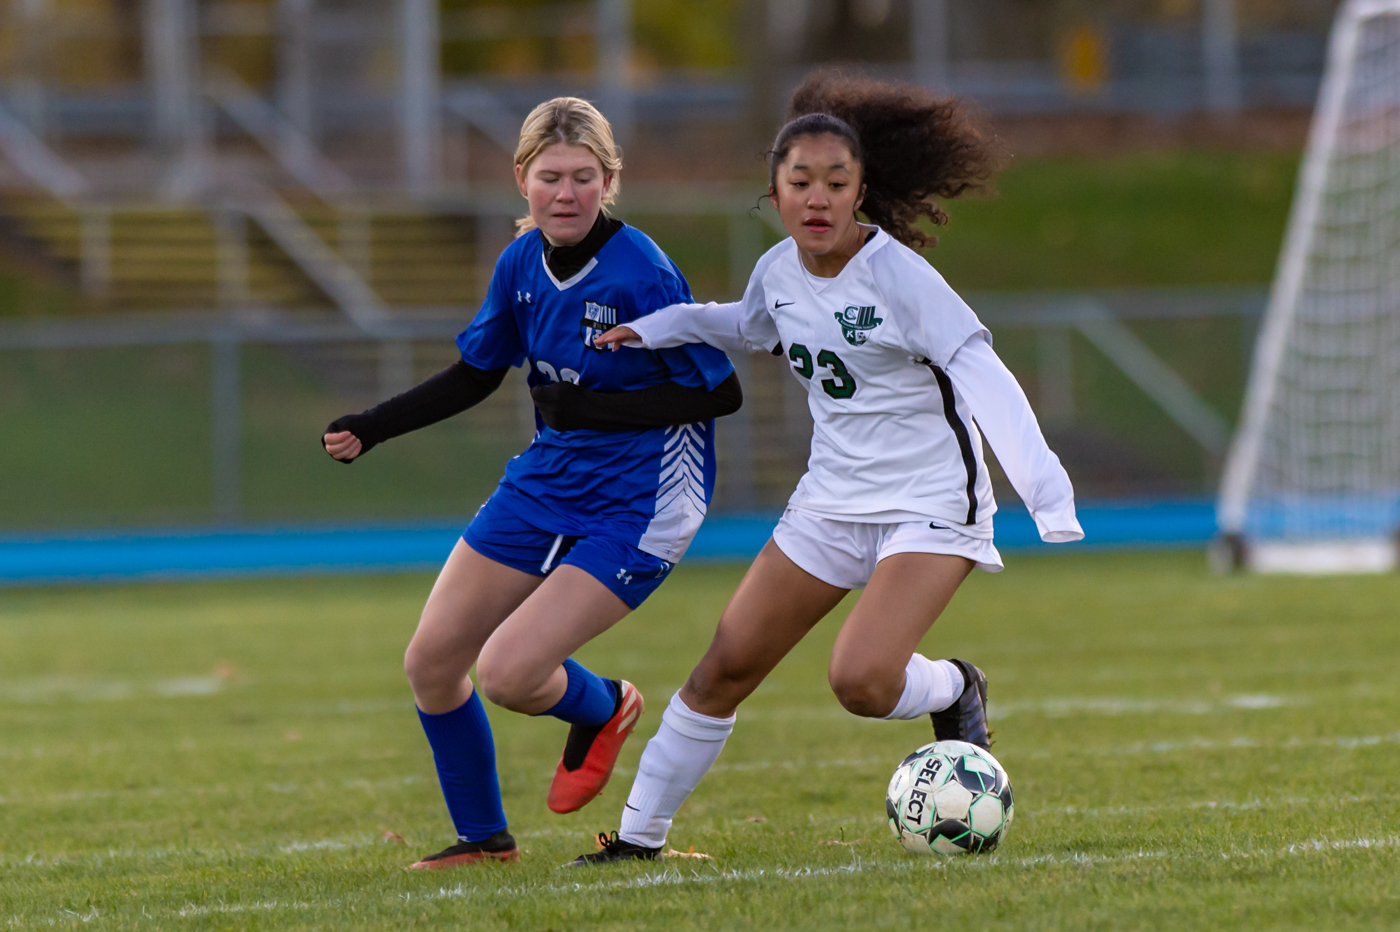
(162, 256)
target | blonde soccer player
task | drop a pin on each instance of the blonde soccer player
(903, 385)
(587, 521)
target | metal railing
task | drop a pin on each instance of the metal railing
(762, 449)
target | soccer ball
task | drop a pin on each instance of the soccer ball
(951, 797)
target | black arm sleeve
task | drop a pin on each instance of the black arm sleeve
(451, 391)
(565, 406)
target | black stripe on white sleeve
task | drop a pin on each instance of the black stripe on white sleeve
(969, 458)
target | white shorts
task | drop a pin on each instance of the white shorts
(844, 553)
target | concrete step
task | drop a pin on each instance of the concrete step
(170, 256)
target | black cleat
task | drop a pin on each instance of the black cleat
(499, 847)
(614, 849)
(966, 719)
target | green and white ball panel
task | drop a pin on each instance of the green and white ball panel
(986, 817)
(951, 838)
(953, 800)
(950, 797)
(914, 843)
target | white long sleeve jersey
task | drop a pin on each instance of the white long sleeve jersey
(902, 383)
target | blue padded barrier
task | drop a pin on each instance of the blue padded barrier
(120, 556)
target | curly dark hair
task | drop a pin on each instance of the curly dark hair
(915, 148)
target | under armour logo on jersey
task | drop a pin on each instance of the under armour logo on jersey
(625, 576)
(856, 321)
(524, 297)
(597, 318)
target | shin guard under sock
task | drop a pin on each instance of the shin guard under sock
(466, 764)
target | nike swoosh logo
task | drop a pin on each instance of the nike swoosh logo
(937, 527)
(778, 304)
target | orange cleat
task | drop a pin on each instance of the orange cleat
(591, 751)
(499, 847)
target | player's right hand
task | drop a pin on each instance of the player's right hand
(618, 337)
(342, 445)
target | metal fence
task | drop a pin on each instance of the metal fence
(180, 419)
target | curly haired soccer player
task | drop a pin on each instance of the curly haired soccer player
(903, 384)
(588, 521)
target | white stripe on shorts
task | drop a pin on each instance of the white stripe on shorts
(548, 563)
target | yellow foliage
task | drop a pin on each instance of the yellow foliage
(1084, 59)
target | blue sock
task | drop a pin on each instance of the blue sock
(588, 700)
(466, 764)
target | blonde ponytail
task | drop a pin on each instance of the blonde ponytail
(576, 122)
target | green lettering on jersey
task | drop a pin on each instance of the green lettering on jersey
(843, 384)
(803, 357)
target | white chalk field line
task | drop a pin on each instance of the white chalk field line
(155, 792)
(1053, 707)
(96, 858)
(51, 689)
(1061, 707)
(1110, 705)
(77, 688)
(673, 877)
(1238, 743)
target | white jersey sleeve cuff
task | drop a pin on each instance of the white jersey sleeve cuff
(1059, 526)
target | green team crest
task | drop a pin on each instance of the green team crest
(856, 322)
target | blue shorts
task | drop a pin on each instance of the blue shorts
(629, 573)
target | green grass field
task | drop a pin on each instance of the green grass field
(1188, 752)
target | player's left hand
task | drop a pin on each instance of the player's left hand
(618, 337)
(342, 445)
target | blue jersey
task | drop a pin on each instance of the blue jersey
(648, 488)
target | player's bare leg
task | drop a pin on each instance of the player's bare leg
(522, 668)
(905, 595)
(774, 607)
(518, 629)
(519, 667)
(875, 670)
(473, 595)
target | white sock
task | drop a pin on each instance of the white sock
(929, 686)
(676, 758)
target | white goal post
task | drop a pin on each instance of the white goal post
(1312, 480)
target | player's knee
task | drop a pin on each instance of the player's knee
(423, 674)
(435, 686)
(494, 682)
(504, 683)
(862, 690)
